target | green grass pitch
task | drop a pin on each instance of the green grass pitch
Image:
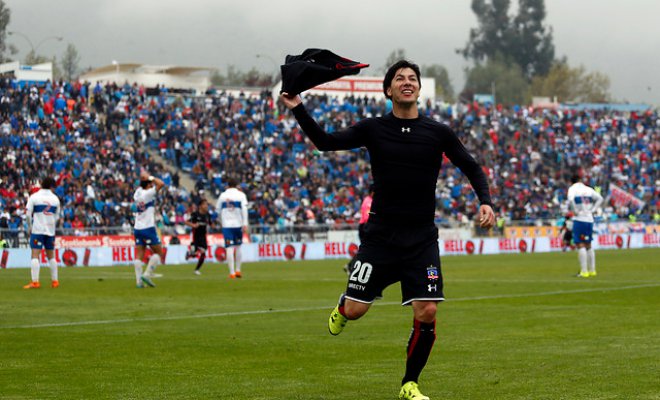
(514, 327)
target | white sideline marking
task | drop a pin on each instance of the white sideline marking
(256, 312)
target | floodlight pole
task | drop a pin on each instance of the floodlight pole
(34, 48)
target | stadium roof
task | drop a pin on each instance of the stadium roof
(148, 69)
(170, 76)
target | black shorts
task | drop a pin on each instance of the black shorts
(387, 255)
(199, 246)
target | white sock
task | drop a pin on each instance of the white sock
(154, 260)
(591, 260)
(582, 257)
(239, 257)
(35, 266)
(230, 260)
(53, 270)
(138, 270)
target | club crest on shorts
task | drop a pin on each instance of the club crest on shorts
(432, 273)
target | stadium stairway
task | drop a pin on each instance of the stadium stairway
(184, 178)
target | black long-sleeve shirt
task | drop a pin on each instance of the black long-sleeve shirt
(406, 156)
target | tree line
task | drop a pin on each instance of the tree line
(514, 56)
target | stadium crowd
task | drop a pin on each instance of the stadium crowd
(94, 139)
(529, 154)
(62, 131)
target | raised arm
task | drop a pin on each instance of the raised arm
(144, 175)
(346, 139)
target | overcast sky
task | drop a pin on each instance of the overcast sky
(618, 38)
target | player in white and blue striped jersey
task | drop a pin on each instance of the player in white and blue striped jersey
(232, 208)
(145, 228)
(584, 201)
(42, 211)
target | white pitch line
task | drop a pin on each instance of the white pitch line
(216, 278)
(256, 312)
(556, 292)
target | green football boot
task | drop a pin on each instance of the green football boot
(410, 391)
(337, 322)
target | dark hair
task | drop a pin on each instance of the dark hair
(391, 72)
(575, 178)
(144, 183)
(232, 182)
(48, 183)
(202, 201)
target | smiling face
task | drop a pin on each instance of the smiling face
(404, 88)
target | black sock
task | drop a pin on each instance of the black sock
(200, 261)
(419, 348)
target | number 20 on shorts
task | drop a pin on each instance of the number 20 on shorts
(361, 272)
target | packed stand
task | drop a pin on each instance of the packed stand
(528, 154)
(62, 131)
(531, 154)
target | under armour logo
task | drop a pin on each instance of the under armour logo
(432, 288)
(405, 130)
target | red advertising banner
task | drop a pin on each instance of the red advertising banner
(612, 242)
(556, 243)
(79, 241)
(652, 239)
(349, 84)
(276, 250)
(123, 254)
(517, 245)
(215, 239)
(340, 249)
(100, 256)
(460, 247)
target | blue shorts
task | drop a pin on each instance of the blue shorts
(38, 242)
(233, 236)
(582, 232)
(146, 237)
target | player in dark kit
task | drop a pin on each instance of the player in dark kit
(198, 221)
(566, 232)
(400, 238)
